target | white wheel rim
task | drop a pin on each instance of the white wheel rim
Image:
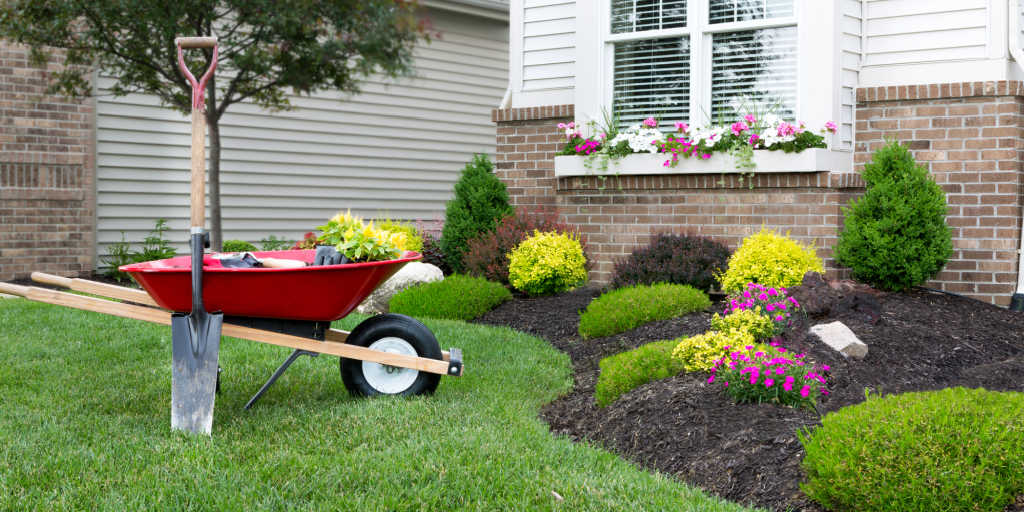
(390, 380)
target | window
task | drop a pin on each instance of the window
(701, 60)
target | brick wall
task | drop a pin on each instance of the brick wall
(47, 174)
(528, 139)
(630, 209)
(969, 135)
(620, 213)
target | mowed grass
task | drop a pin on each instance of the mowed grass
(85, 425)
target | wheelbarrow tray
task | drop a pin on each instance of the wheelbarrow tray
(321, 293)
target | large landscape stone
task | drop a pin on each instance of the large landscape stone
(838, 336)
(410, 275)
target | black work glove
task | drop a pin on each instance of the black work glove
(328, 255)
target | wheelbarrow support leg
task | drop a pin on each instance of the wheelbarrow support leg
(280, 370)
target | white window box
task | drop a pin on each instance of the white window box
(808, 160)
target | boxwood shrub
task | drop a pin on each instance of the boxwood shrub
(623, 372)
(457, 297)
(952, 450)
(238, 246)
(623, 309)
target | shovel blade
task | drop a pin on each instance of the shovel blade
(195, 341)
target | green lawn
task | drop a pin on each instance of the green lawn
(85, 425)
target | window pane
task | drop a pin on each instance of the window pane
(728, 11)
(652, 78)
(640, 15)
(756, 68)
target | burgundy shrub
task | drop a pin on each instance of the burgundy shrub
(432, 253)
(680, 259)
(487, 255)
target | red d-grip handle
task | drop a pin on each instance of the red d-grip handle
(198, 87)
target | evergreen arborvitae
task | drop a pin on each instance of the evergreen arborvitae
(481, 200)
(896, 235)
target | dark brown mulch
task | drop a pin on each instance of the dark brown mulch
(750, 453)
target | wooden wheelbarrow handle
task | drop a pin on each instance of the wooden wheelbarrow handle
(336, 345)
(101, 289)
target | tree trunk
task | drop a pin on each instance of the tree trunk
(213, 121)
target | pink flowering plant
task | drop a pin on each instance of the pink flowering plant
(740, 139)
(775, 303)
(772, 375)
(751, 132)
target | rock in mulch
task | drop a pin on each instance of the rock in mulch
(841, 339)
(411, 274)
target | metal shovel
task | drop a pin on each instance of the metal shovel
(196, 336)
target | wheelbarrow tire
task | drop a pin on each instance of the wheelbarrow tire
(391, 332)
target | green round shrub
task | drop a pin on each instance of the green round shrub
(457, 297)
(481, 200)
(624, 372)
(625, 308)
(238, 246)
(895, 236)
(547, 263)
(951, 450)
(770, 259)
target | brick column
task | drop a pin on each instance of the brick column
(969, 135)
(47, 172)
(528, 139)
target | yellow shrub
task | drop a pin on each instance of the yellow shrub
(547, 263)
(769, 259)
(699, 353)
(749, 320)
(413, 240)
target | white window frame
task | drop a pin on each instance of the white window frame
(818, 70)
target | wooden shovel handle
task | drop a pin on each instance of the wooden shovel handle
(195, 42)
(198, 169)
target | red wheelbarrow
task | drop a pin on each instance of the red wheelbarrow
(291, 307)
(386, 354)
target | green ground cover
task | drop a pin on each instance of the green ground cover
(84, 424)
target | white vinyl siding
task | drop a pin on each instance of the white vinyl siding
(394, 150)
(850, 60)
(912, 31)
(548, 44)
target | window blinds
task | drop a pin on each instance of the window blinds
(641, 15)
(754, 70)
(652, 77)
(729, 11)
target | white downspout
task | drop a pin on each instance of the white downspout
(1017, 301)
(507, 98)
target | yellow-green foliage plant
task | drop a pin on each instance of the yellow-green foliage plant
(699, 353)
(547, 263)
(770, 259)
(752, 321)
(361, 242)
(413, 239)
